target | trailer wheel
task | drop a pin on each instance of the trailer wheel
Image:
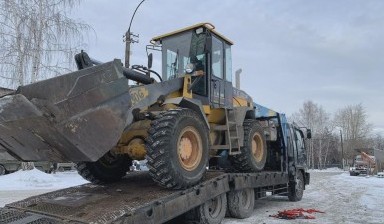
(2, 170)
(296, 189)
(109, 168)
(213, 211)
(253, 154)
(177, 148)
(241, 203)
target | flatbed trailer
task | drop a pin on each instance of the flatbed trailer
(136, 199)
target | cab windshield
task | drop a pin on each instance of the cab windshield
(180, 50)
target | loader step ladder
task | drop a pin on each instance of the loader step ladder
(232, 133)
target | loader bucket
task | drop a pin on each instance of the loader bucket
(74, 117)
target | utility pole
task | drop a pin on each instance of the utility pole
(128, 39)
(342, 148)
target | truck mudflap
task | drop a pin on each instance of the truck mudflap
(74, 117)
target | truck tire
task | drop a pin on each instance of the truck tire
(241, 203)
(296, 188)
(211, 212)
(177, 149)
(2, 170)
(253, 154)
(109, 168)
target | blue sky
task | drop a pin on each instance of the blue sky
(290, 51)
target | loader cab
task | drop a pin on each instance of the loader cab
(206, 55)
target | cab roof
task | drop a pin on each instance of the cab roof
(208, 26)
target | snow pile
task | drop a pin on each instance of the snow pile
(35, 179)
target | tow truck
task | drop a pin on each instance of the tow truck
(137, 199)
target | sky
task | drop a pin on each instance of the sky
(290, 51)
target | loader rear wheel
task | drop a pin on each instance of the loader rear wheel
(177, 149)
(109, 168)
(253, 154)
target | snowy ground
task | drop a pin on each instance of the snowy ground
(343, 198)
(23, 184)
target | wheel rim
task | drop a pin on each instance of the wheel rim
(214, 207)
(189, 147)
(257, 147)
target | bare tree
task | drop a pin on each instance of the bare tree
(38, 39)
(314, 117)
(352, 120)
(306, 117)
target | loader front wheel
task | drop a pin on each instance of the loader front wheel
(177, 148)
(253, 154)
(109, 168)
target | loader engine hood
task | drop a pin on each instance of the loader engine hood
(73, 117)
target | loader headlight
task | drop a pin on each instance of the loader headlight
(189, 68)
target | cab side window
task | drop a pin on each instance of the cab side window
(217, 57)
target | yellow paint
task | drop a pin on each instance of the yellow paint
(131, 141)
(174, 95)
(238, 101)
(169, 106)
(207, 109)
(271, 113)
(138, 94)
(136, 149)
(217, 116)
(209, 26)
(187, 83)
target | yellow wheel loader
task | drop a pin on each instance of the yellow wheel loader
(180, 121)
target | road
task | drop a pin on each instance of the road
(343, 198)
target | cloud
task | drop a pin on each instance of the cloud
(331, 52)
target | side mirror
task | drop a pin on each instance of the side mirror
(150, 59)
(309, 134)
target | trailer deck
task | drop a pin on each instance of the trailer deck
(135, 199)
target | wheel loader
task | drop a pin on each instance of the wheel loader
(182, 121)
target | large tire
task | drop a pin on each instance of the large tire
(296, 188)
(109, 168)
(2, 170)
(241, 203)
(213, 211)
(253, 154)
(177, 149)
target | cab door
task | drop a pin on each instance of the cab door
(221, 75)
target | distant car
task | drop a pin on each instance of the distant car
(380, 174)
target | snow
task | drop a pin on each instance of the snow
(343, 198)
(23, 184)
